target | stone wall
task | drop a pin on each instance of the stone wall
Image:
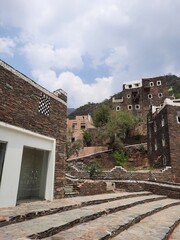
(88, 187)
(119, 173)
(174, 140)
(20, 100)
(172, 191)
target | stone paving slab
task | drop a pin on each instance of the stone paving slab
(153, 227)
(41, 224)
(106, 225)
(24, 208)
(175, 234)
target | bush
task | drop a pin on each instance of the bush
(120, 158)
(94, 169)
(142, 149)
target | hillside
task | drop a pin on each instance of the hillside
(172, 81)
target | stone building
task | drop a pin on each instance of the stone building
(77, 126)
(138, 96)
(32, 139)
(163, 127)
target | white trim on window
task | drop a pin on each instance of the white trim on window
(158, 83)
(151, 84)
(118, 108)
(160, 95)
(137, 107)
(178, 119)
(150, 96)
(130, 107)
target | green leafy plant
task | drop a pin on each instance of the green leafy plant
(120, 158)
(94, 169)
(142, 149)
(87, 138)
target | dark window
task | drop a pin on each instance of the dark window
(83, 126)
(158, 83)
(129, 107)
(149, 96)
(160, 95)
(2, 155)
(178, 119)
(118, 108)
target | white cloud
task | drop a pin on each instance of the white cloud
(7, 46)
(45, 56)
(132, 39)
(79, 93)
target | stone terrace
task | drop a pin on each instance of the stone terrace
(119, 215)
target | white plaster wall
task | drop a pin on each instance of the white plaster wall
(16, 139)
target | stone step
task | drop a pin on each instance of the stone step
(33, 210)
(51, 224)
(109, 225)
(175, 235)
(155, 227)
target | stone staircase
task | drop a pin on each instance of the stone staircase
(120, 215)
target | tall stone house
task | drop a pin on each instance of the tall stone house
(77, 126)
(163, 133)
(138, 96)
(32, 139)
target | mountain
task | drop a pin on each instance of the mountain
(70, 110)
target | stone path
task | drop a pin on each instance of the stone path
(120, 215)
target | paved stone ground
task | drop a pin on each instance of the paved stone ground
(119, 215)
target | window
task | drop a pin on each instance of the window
(74, 126)
(118, 108)
(155, 145)
(178, 119)
(155, 127)
(164, 160)
(83, 126)
(158, 83)
(162, 122)
(163, 142)
(2, 156)
(149, 96)
(130, 86)
(44, 104)
(128, 95)
(129, 107)
(160, 95)
(137, 106)
(136, 84)
(151, 84)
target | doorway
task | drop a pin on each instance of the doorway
(32, 182)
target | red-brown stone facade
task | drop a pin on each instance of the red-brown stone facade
(139, 96)
(164, 139)
(25, 104)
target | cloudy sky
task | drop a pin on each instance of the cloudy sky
(90, 47)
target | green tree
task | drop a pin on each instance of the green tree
(118, 127)
(101, 115)
(87, 138)
(120, 158)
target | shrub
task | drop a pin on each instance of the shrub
(94, 169)
(120, 158)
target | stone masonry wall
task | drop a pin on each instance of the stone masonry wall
(174, 140)
(19, 104)
(119, 173)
